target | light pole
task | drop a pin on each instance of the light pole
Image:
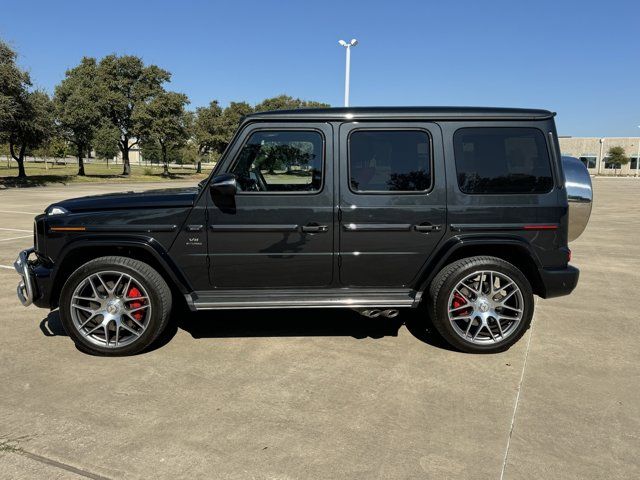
(348, 46)
(601, 159)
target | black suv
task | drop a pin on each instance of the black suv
(461, 210)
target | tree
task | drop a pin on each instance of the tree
(105, 142)
(4, 151)
(207, 131)
(128, 85)
(75, 103)
(26, 116)
(14, 84)
(618, 157)
(32, 127)
(230, 120)
(59, 147)
(190, 153)
(215, 127)
(163, 121)
(285, 102)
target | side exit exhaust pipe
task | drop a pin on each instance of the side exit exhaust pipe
(376, 312)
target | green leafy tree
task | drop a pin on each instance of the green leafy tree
(14, 84)
(105, 142)
(59, 147)
(618, 157)
(75, 103)
(128, 85)
(26, 116)
(32, 127)
(230, 120)
(285, 102)
(207, 131)
(215, 127)
(152, 152)
(163, 120)
(4, 151)
(55, 147)
(190, 153)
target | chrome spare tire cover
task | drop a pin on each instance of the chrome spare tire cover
(579, 194)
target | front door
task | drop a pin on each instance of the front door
(392, 201)
(279, 232)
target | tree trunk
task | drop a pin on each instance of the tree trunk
(199, 167)
(165, 172)
(19, 158)
(124, 148)
(80, 163)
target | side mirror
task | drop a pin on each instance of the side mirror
(224, 185)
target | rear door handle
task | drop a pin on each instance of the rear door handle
(427, 227)
(314, 228)
(194, 228)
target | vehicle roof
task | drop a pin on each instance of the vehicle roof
(409, 113)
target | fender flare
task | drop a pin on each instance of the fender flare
(148, 244)
(440, 258)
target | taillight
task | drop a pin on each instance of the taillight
(568, 255)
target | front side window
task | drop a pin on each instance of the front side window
(389, 161)
(280, 161)
(502, 160)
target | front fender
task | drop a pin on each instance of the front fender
(148, 244)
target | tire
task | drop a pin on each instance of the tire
(488, 314)
(123, 303)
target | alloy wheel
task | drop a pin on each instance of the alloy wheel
(110, 309)
(485, 307)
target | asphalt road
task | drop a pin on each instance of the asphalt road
(332, 395)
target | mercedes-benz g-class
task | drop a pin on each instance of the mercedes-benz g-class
(465, 211)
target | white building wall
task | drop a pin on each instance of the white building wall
(589, 147)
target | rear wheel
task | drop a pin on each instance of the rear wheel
(115, 306)
(481, 304)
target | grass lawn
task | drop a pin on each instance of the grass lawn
(37, 175)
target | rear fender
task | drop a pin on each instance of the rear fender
(462, 246)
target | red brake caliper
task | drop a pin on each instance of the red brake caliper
(135, 293)
(459, 301)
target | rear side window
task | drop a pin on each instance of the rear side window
(389, 161)
(502, 160)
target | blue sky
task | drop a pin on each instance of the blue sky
(578, 58)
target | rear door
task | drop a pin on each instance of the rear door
(392, 201)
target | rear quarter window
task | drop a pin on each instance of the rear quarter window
(502, 160)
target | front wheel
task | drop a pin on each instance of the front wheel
(114, 306)
(481, 304)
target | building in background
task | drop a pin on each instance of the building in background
(592, 151)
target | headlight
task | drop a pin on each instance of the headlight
(56, 210)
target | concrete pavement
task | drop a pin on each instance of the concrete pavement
(315, 394)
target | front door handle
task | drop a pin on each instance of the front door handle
(427, 227)
(314, 228)
(194, 228)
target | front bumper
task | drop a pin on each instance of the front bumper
(26, 288)
(559, 282)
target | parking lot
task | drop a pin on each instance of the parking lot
(303, 394)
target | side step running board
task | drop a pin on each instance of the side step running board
(319, 298)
